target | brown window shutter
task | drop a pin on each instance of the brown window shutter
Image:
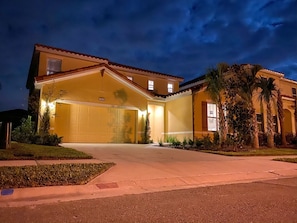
(204, 116)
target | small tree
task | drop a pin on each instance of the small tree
(45, 122)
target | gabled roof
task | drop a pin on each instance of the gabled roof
(45, 79)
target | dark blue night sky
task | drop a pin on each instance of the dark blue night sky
(178, 37)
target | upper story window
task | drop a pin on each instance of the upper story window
(170, 88)
(151, 85)
(53, 66)
(294, 92)
(130, 78)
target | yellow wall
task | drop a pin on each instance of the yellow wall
(87, 91)
(94, 88)
(68, 63)
(156, 117)
(179, 118)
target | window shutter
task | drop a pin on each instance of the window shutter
(204, 116)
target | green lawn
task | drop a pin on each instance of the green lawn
(258, 152)
(46, 175)
(50, 175)
(21, 151)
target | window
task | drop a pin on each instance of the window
(211, 117)
(170, 88)
(294, 92)
(151, 85)
(53, 66)
(130, 78)
(260, 122)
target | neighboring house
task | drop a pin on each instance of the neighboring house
(205, 114)
(92, 99)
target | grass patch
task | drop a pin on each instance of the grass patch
(257, 152)
(22, 151)
(50, 175)
(290, 160)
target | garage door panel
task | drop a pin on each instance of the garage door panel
(80, 123)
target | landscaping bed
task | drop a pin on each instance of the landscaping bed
(50, 175)
(290, 160)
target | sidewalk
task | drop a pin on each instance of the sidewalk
(137, 178)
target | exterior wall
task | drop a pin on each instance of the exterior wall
(68, 63)
(200, 97)
(87, 93)
(179, 118)
(156, 119)
(160, 84)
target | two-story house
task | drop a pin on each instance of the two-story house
(92, 99)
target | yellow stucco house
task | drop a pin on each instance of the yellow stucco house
(92, 99)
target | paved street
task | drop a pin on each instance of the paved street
(265, 201)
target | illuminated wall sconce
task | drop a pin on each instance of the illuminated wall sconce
(101, 99)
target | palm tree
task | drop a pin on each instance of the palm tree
(268, 89)
(280, 111)
(215, 88)
(247, 77)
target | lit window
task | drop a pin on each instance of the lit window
(151, 85)
(53, 66)
(212, 117)
(130, 78)
(170, 88)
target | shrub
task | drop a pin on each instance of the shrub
(198, 142)
(185, 142)
(160, 141)
(262, 139)
(25, 132)
(277, 139)
(216, 138)
(294, 140)
(207, 143)
(191, 142)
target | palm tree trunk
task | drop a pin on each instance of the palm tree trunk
(270, 142)
(280, 111)
(222, 123)
(255, 128)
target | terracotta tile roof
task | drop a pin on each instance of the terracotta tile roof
(44, 78)
(68, 51)
(144, 70)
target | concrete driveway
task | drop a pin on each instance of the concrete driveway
(153, 167)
